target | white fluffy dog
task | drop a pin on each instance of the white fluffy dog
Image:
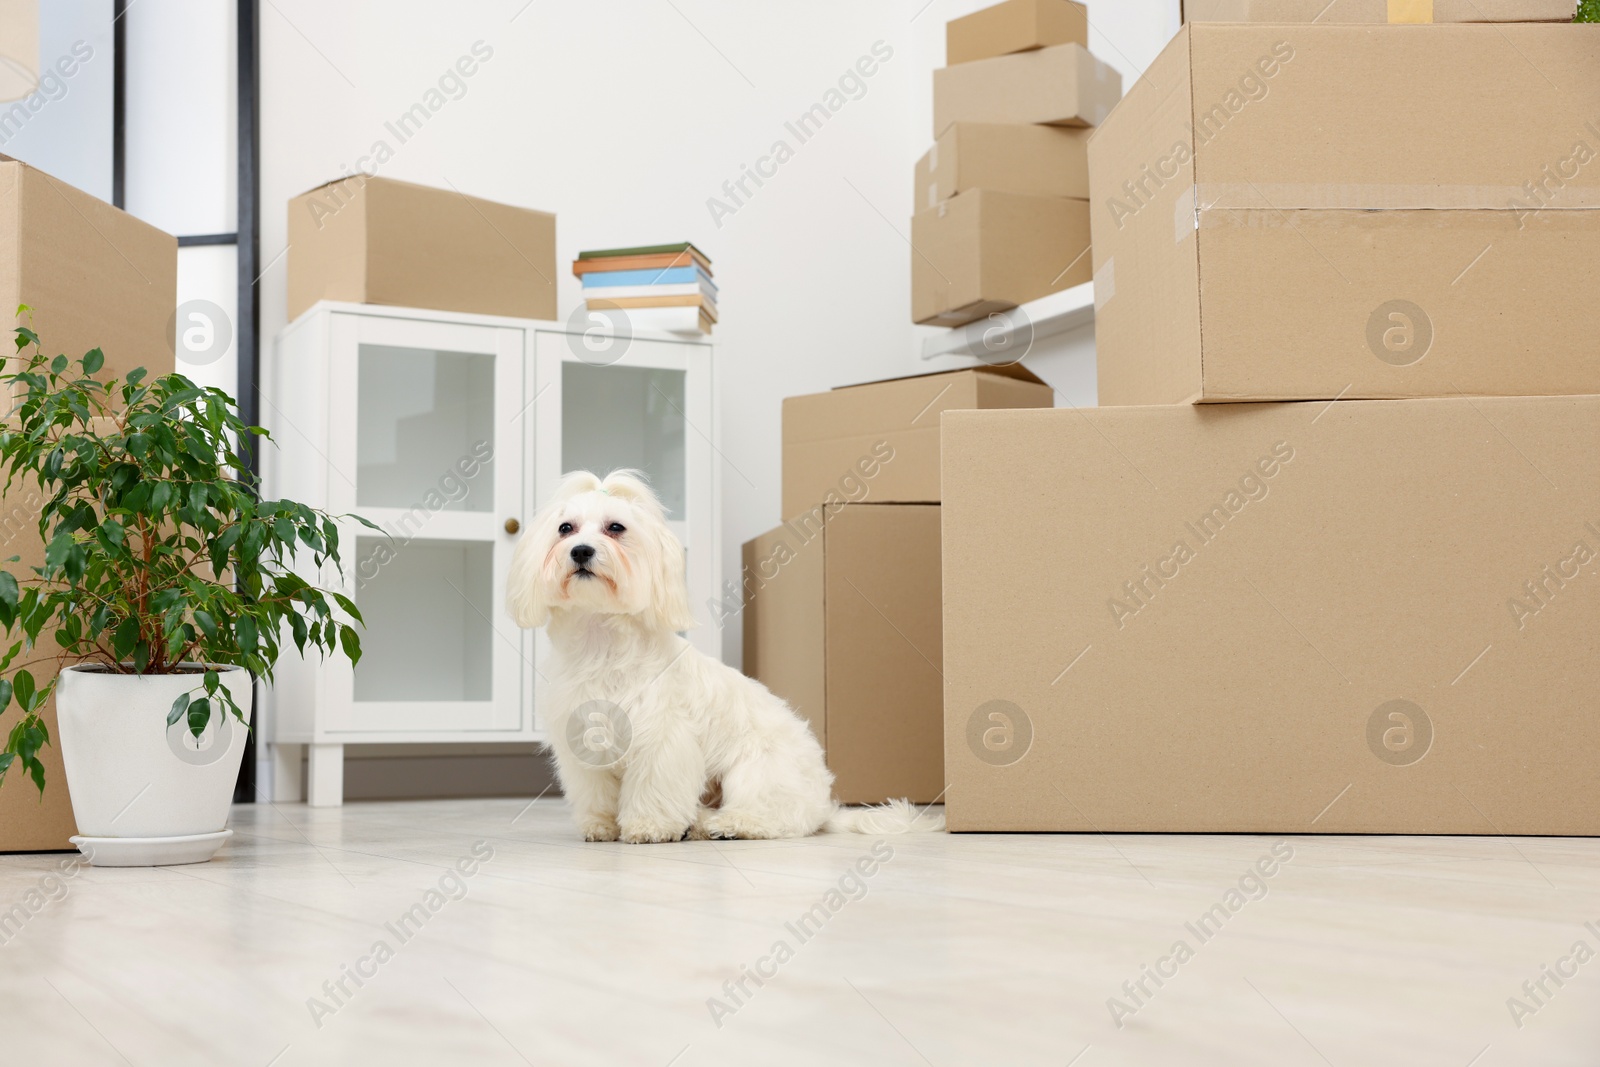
(648, 731)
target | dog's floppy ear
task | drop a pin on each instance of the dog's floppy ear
(669, 588)
(525, 593)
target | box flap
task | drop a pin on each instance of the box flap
(1008, 370)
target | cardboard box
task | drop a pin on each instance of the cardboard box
(1279, 214)
(380, 241)
(1334, 12)
(879, 442)
(27, 823)
(1015, 26)
(1032, 160)
(96, 277)
(1059, 86)
(1352, 617)
(843, 622)
(983, 251)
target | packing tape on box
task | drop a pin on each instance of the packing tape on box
(1105, 283)
(1320, 196)
(1410, 10)
(1185, 214)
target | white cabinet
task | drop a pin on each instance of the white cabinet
(447, 431)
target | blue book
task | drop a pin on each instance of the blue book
(601, 279)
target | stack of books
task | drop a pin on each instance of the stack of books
(659, 287)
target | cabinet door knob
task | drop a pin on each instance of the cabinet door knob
(512, 526)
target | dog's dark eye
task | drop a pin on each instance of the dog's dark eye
(564, 529)
(616, 528)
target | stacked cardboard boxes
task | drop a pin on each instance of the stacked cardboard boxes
(1376, 610)
(95, 277)
(1001, 199)
(842, 603)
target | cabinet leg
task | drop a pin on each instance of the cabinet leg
(325, 776)
(287, 784)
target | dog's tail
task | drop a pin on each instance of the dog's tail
(895, 817)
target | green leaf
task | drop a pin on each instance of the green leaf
(351, 643)
(5, 694)
(124, 637)
(8, 590)
(93, 360)
(207, 624)
(245, 629)
(349, 606)
(199, 715)
(24, 689)
(58, 365)
(179, 706)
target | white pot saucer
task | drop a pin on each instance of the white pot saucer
(150, 851)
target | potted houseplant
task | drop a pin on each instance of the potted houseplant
(165, 589)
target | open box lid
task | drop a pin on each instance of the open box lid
(1009, 370)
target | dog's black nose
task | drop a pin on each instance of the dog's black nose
(582, 554)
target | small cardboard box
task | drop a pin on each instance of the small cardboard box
(1280, 215)
(1334, 12)
(381, 241)
(879, 441)
(1351, 617)
(1015, 26)
(1059, 86)
(95, 276)
(1032, 160)
(842, 621)
(983, 251)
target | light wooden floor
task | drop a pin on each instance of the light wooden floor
(982, 950)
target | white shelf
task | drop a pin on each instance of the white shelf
(1048, 316)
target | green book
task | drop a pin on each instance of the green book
(645, 250)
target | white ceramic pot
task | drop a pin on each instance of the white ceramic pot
(143, 793)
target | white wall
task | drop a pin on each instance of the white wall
(624, 118)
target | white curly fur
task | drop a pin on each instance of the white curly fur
(661, 727)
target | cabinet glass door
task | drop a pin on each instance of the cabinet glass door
(650, 408)
(433, 457)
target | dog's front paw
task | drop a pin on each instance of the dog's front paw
(600, 828)
(651, 831)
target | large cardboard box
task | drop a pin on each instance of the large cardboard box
(96, 277)
(1015, 26)
(1333, 12)
(1033, 160)
(879, 442)
(1060, 86)
(985, 251)
(1351, 617)
(381, 241)
(1280, 214)
(842, 621)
